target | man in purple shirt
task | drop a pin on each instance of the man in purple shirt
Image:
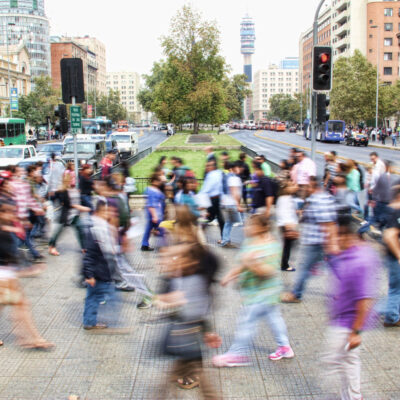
(354, 266)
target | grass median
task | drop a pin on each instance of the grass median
(180, 139)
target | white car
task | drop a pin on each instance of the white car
(127, 143)
(12, 155)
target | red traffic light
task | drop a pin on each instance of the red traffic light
(324, 57)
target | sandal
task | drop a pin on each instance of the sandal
(40, 345)
(1, 343)
(188, 383)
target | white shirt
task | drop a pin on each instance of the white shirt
(378, 169)
(285, 211)
(305, 169)
(232, 181)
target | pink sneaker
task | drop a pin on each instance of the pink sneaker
(282, 352)
(230, 360)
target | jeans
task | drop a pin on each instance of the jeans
(86, 200)
(392, 314)
(287, 248)
(394, 141)
(352, 201)
(215, 212)
(381, 213)
(231, 216)
(38, 227)
(149, 227)
(342, 364)
(247, 326)
(58, 228)
(94, 295)
(29, 243)
(310, 255)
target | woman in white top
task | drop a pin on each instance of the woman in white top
(287, 221)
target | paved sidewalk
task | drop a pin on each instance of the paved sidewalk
(100, 367)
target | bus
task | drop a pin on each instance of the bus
(122, 126)
(97, 125)
(331, 131)
(12, 131)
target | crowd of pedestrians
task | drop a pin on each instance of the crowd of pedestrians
(264, 213)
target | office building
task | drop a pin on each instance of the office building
(271, 81)
(127, 83)
(25, 21)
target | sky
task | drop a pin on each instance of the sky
(131, 29)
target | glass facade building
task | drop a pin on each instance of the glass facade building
(25, 20)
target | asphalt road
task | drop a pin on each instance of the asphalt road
(275, 151)
(149, 138)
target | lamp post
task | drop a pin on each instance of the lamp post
(377, 77)
(8, 68)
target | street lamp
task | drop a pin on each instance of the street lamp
(377, 77)
(8, 58)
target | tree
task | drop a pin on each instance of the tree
(285, 107)
(389, 100)
(354, 89)
(109, 105)
(39, 103)
(191, 84)
(237, 89)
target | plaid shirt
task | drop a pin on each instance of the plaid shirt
(22, 195)
(319, 208)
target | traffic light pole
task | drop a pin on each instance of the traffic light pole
(314, 94)
(75, 153)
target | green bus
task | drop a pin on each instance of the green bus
(12, 130)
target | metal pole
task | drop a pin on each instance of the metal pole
(377, 84)
(75, 153)
(301, 110)
(314, 96)
(9, 76)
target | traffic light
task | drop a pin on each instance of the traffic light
(322, 108)
(322, 68)
(64, 126)
(62, 110)
(72, 80)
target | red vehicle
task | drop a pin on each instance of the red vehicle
(280, 127)
(122, 126)
(273, 126)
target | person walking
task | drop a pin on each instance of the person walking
(317, 231)
(154, 210)
(393, 136)
(263, 192)
(86, 185)
(353, 184)
(106, 164)
(258, 278)
(354, 269)
(305, 169)
(231, 203)
(391, 238)
(244, 176)
(212, 187)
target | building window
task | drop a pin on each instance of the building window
(370, 36)
(14, 3)
(388, 42)
(388, 27)
(387, 71)
(388, 12)
(370, 50)
(388, 56)
(371, 21)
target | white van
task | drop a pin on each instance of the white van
(127, 143)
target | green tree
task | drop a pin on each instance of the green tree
(190, 85)
(39, 103)
(354, 89)
(110, 106)
(389, 100)
(285, 107)
(237, 89)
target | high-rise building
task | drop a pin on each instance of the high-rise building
(98, 48)
(127, 83)
(247, 40)
(25, 21)
(271, 81)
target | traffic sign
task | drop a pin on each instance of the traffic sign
(76, 119)
(14, 99)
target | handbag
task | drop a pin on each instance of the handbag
(183, 339)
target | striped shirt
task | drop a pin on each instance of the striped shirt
(22, 195)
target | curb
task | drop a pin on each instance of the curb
(364, 164)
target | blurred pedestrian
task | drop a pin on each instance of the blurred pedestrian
(210, 154)
(86, 185)
(305, 170)
(263, 192)
(353, 183)
(107, 163)
(259, 282)
(244, 176)
(354, 287)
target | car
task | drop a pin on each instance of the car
(127, 143)
(357, 139)
(162, 127)
(88, 151)
(293, 129)
(49, 148)
(12, 155)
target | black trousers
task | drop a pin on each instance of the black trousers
(287, 248)
(215, 212)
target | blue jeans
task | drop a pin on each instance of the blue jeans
(310, 255)
(94, 295)
(247, 326)
(86, 200)
(226, 232)
(29, 243)
(149, 226)
(352, 201)
(38, 227)
(392, 314)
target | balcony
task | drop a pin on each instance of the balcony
(341, 31)
(342, 17)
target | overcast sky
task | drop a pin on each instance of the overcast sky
(131, 29)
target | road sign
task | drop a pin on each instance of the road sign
(89, 111)
(14, 99)
(76, 119)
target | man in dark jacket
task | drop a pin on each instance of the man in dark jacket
(99, 264)
(244, 175)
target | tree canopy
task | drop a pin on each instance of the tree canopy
(286, 107)
(191, 84)
(109, 105)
